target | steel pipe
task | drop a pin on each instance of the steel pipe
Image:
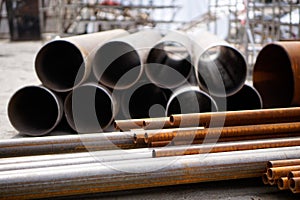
(283, 183)
(220, 68)
(236, 118)
(144, 123)
(119, 63)
(156, 123)
(275, 74)
(90, 108)
(293, 174)
(278, 172)
(190, 99)
(169, 62)
(282, 163)
(65, 63)
(113, 176)
(265, 179)
(294, 184)
(35, 110)
(128, 124)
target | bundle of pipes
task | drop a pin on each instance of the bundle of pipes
(284, 173)
(112, 75)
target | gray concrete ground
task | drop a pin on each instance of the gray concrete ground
(17, 70)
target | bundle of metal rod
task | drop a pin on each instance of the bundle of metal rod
(66, 144)
(90, 108)
(222, 132)
(64, 64)
(35, 110)
(235, 118)
(169, 62)
(277, 75)
(220, 68)
(119, 63)
(141, 173)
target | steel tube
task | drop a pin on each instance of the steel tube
(293, 174)
(156, 123)
(65, 63)
(119, 63)
(128, 124)
(294, 184)
(35, 110)
(278, 172)
(283, 183)
(226, 146)
(282, 163)
(265, 179)
(220, 68)
(169, 62)
(66, 144)
(190, 99)
(275, 74)
(90, 108)
(113, 176)
(235, 118)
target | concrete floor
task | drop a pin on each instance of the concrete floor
(17, 70)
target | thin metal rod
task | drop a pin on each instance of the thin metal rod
(113, 176)
(278, 172)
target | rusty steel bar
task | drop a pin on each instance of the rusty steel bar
(181, 100)
(113, 176)
(283, 183)
(90, 108)
(169, 62)
(35, 110)
(65, 63)
(235, 118)
(226, 146)
(119, 63)
(231, 131)
(278, 172)
(282, 163)
(265, 179)
(66, 144)
(294, 184)
(277, 75)
(293, 174)
(220, 68)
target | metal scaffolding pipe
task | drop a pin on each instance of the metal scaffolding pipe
(220, 68)
(235, 118)
(275, 74)
(190, 99)
(90, 108)
(169, 62)
(66, 144)
(283, 183)
(278, 172)
(113, 176)
(282, 163)
(119, 63)
(35, 110)
(65, 63)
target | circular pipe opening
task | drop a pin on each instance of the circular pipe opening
(273, 76)
(280, 183)
(292, 183)
(115, 59)
(89, 108)
(59, 64)
(34, 111)
(168, 64)
(270, 173)
(223, 61)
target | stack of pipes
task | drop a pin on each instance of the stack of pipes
(284, 173)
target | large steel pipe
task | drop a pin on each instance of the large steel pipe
(276, 74)
(35, 110)
(220, 68)
(190, 99)
(119, 63)
(90, 108)
(65, 63)
(236, 118)
(142, 173)
(169, 63)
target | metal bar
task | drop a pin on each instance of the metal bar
(283, 183)
(65, 63)
(278, 172)
(235, 118)
(113, 176)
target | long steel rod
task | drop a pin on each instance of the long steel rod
(113, 176)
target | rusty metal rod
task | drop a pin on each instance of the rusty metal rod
(35, 110)
(278, 172)
(235, 118)
(119, 63)
(65, 63)
(90, 108)
(66, 144)
(282, 163)
(277, 75)
(294, 184)
(233, 131)
(113, 176)
(226, 146)
(283, 183)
